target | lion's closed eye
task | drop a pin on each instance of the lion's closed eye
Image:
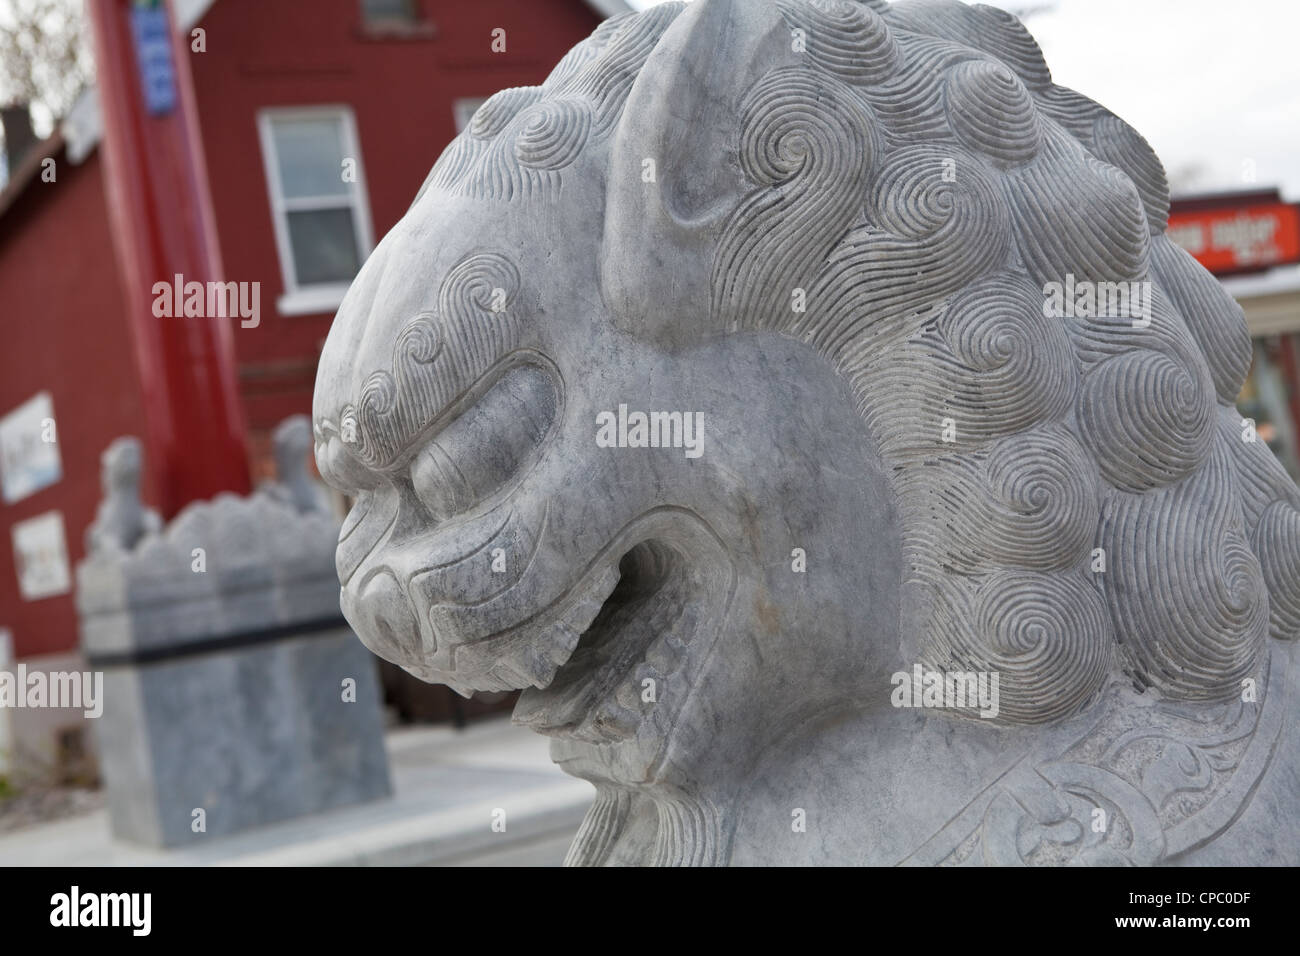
(488, 445)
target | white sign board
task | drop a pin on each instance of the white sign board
(29, 448)
(41, 556)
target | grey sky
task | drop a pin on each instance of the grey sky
(1213, 85)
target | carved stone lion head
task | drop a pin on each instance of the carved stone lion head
(714, 382)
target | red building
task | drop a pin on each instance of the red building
(286, 93)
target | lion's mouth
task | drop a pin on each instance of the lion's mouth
(617, 670)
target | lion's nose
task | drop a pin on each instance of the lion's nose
(379, 612)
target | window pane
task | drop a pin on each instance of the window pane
(464, 109)
(324, 245)
(388, 9)
(310, 154)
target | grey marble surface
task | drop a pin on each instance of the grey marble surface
(716, 386)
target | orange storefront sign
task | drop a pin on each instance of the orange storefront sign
(1239, 238)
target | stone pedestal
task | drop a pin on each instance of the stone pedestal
(232, 684)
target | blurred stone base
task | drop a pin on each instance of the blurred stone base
(248, 737)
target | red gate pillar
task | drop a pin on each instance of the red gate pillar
(163, 226)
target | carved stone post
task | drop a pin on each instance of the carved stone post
(235, 693)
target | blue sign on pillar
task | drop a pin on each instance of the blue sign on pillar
(153, 51)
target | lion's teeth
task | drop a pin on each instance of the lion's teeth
(584, 610)
(583, 695)
(612, 722)
(559, 705)
(662, 657)
(464, 690)
(628, 693)
(552, 709)
(502, 678)
(563, 640)
(530, 711)
(551, 650)
(538, 665)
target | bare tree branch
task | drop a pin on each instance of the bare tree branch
(45, 57)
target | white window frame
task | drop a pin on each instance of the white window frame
(463, 109)
(322, 296)
(414, 15)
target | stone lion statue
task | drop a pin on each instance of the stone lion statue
(121, 520)
(291, 444)
(721, 391)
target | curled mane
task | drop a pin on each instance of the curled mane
(914, 174)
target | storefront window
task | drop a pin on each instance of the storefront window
(1268, 396)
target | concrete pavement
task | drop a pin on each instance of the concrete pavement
(447, 785)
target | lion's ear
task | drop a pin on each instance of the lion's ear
(674, 176)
